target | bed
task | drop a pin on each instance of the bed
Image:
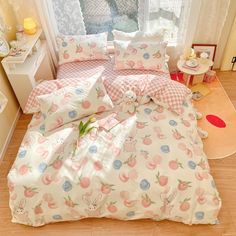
(149, 165)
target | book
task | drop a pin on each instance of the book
(199, 91)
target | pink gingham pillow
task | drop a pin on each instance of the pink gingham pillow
(142, 85)
(82, 48)
(171, 96)
(140, 55)
(46, 87)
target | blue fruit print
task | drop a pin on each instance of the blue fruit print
(144, 184)
(57, 217)
(192, 165)
(67, 186)
(172, 123)
(72, 114)
(185, 104)
(199, 215)
(93, 149)
(79, 91)
(22, 153)
(146, 56)
(165, 148)
(147, 110)
(64, 44)
(42, 167)
(130, 213)
(42, 128)
(117, 164)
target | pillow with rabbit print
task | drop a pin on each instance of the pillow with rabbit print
(82, 48)
(140, 55)
(74, 102)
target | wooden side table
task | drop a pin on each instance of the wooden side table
(26, 71)
(198, 74)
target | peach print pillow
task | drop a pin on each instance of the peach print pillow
(74, 102)
(140, 55)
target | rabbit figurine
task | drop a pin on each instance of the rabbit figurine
(20, 214)
(93, 204)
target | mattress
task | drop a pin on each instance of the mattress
(89, 68)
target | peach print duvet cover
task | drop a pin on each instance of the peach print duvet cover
(149, 165)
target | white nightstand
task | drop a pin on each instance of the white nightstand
(26, 71)
(198, 74)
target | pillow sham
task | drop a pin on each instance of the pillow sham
(140, 55)
(137, 36)
(46, 87)
(74, 102)
(171, 96)
(162, 91)
(82, 47)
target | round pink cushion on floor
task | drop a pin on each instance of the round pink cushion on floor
(216, 121)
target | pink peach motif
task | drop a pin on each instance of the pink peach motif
(85, 104)
(116, 151)
(111, 207)
(101, 109)
(216, 201)
(69, 202)
(11, 186)
(143, 46)
(161, 179)
(84, 182)
(151, 165)
(185, 123)
(201, 199)
(176, 134)
(131, 64)
(97, 165)
(24, 169)
(29, 192)
(38, 209)
(147, 140)
(141, 125)
(131, 161)
(124, 177)
(146, 201)
(106, 188)
(130, 203)
(159, 109)
(145, 154)
(184, 205)
(47, 179)
(66, 55)
(54, 107)
(183, 185)
(57, 163)
(174, 164)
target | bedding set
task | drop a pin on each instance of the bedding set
(120, 145)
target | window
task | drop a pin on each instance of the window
(106, 15)
(96, 16)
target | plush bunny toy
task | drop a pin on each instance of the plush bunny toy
(128, 103)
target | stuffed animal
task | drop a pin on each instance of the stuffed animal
(128, 103)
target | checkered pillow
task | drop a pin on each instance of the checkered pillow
(172, 96)
(140, 84)
(46, 87)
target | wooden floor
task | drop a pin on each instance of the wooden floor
(224, 172)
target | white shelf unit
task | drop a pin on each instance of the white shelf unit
(25, 72)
